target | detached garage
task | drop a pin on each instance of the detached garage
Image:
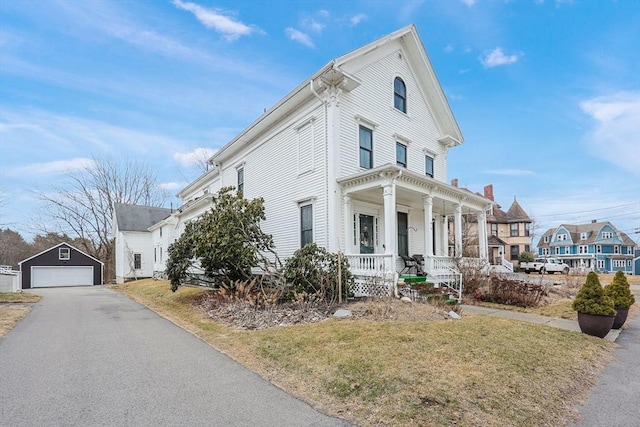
(61, 265)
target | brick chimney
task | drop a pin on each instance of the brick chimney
(454, 182)
(488, 192)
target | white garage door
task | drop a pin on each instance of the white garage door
(42, 277)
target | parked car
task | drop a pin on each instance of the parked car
(545, 265)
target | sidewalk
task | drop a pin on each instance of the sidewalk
(570, 325)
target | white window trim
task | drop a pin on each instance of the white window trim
(68, 254)
(406, 93)
(302, 204)
(360, 120)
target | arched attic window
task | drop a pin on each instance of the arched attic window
(399, 95)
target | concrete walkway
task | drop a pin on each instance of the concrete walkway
(570, 325)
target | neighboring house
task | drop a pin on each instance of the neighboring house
(508, 232)
(595, 246)
(135, 257)
(636, 263)
(354, 159)
(61, 265)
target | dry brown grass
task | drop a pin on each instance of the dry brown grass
(480, 370)
(19, 297)
(10, 314)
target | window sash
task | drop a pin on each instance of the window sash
(137, 261)
(306, 225)
(514, 230)
(399, 95)
(401, 155)
(240, 186)
(366, 147)
(64, 254)
(428, 166)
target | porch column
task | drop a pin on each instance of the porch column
(482, 234)
(458, 230)
(332, 103)
(445, 236)
(428, 219)
(389, 196)
(348, 215)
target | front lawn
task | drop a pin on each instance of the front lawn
(479, 370)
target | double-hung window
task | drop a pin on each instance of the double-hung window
(137, 261)
(513, 227)
(399, 95)
(64, 254)
(240, 185)
(401, 155)
(366, 147)
(306, 224)
(428, 166)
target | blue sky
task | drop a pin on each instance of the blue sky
(546, 92)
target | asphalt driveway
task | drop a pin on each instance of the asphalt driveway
(90, 356)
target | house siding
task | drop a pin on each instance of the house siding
(373, 101)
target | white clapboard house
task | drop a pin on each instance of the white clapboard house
(354, 159)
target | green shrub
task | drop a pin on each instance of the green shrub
(313, 273)
(619, 291)
(526, 257)
(592, 300)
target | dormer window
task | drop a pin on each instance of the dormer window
(583, 236)
(399, 95)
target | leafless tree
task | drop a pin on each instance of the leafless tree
(81, 204)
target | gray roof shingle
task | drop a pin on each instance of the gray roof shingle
(137, 217)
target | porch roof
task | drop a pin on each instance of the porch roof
(411, 188)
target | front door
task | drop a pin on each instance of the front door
(367, 233)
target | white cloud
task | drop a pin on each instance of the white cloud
(497, 57)
(56, 166)
(511, 172)
(170, 186)
(199, 155)
(230, 28)
(448, 48)
(299, 36)
(469, 2)
(615, 136)
(357, 19)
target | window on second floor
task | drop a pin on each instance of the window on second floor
(401, 155)
(494, 229)
(399, 95)
(428, 166)
(583, 236)
(598, 249)
(557, 250)
(629, 250)
(616, 249)
(366, 147)
(240, 185)
(546, 239)
(527, 230)
(513, 229)
(583, 249)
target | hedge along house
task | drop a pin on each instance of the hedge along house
(355, 160)
(61, 265)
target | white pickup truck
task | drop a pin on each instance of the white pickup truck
(545, 265)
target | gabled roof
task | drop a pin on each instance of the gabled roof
(593, 231)
(333, 73)
(56, 246)
(137, 217)
(516, 213)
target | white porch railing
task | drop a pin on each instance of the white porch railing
(372, 276)
(507, 264)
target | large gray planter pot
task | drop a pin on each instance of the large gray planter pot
(597, 326)
(621, 317)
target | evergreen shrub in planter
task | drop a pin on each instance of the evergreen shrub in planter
(620, 293)
(596, 311)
